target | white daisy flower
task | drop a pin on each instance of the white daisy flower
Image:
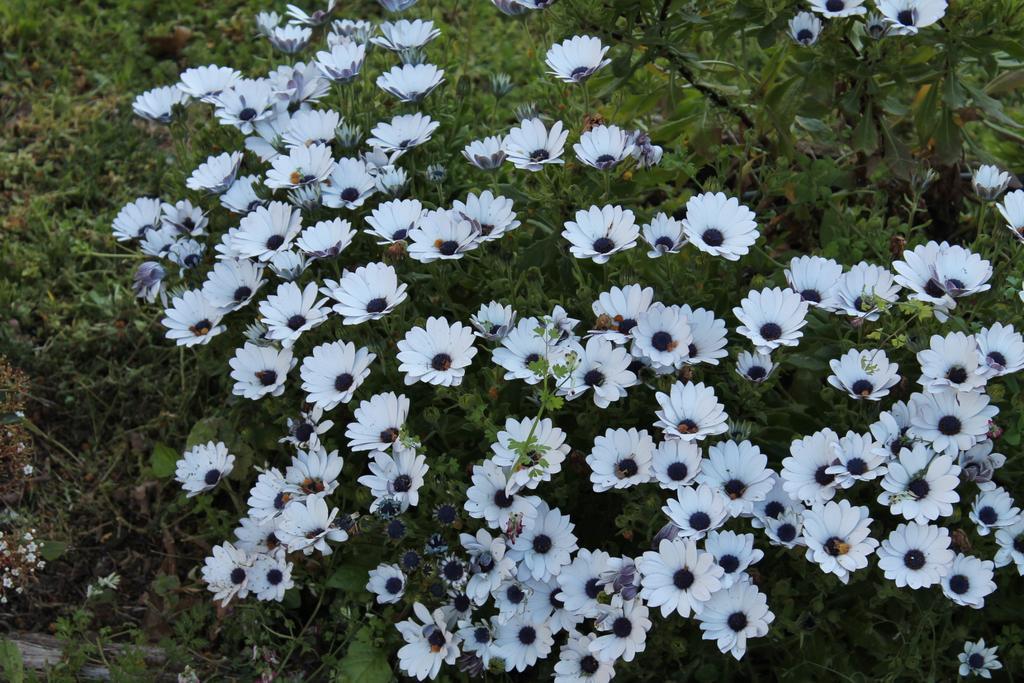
(349, 185)
(378, 422)
(866, 374)
(862, 289)
(979, 464)
(404, 34)
(402, 132)
(921, 485)
(739, 472)
(493, 499)
(241, 198)
(678, 577)
(509, 599)
(603, 147)
(157, 105)
(805, 473)
(664, 235)
(308, 525)
(531, 145)
(290, 311)
(185, 218)
(720, 225)
(734, 615)
(618, 310)
(260, 370)
(202, 467)
(441, 235)
(969, 581)
(620, 458)
(917, 272)
(486, 154)
(696, 511)
(906, 17)
(577, 665)
(487, 562)
(396, 476)
(1000, 350)
(834, 9)
(989, 182)
(290, 39)
(428, 644)
(994, 509)
(216, 174)
(206, 83)
(148, 282)
(192, 320)
(708, 340)
(137, 218)
(772, 318)
(892, 431)
(576, 59)
(437, 353)
(226, 572)
(662, 335)
(267, 231)
(298, 86)
(368, 293)
(837, 537)
(675, 463)
(524, 346)
(690, 412)
(387, 582)
(392, 221)
(326, 239)
(310, 127)
(289, 265)
(270, 576)
(950, 364)
(602, 368)
(493, 321)
(786, 530)
(333, 372)
(916, 555)
(805, 28)
(245, 103)
(625, 624)
(857, 458)
(343, 62)
(734, 553)
(313, 472)
(777, 503)
(411, 82)
(599, 232)
(545, 545)
(951, 422)
(545, 604)
(522, 640)
(756, 367)
(300, 166)
(1012, 210)
(814, 278)
(268, 497)
(257, 535)
(1011, 546)
(978, 659)
(581, 582)
(306, 430)
(186, 253)
(546, 451)
(490, 216)
(268, 143)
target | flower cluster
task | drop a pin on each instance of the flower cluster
(20, 559)
(519, 576)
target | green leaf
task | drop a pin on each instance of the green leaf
(364, 662)
(51, 550)
(11, 663)
(204, 431)
(1007, 81)
(865, 135)
(163, 461)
